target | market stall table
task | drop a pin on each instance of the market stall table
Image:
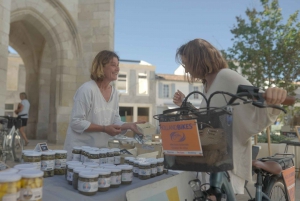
(57, 188)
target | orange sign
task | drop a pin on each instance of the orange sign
(289, 179)
(181, 138)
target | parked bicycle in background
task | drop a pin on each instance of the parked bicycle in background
(11, 143)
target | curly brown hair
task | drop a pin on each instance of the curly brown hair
(200, 59)
(100, 60)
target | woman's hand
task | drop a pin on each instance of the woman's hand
(275, 96)
(134, 128)
(178, 98)
(112, 130)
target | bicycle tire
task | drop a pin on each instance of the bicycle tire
(276, 191)
(17, 146)
(2, 151)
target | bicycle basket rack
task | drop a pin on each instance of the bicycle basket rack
(215, 131)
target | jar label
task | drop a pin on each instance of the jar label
(104, 182)
(144, 171)
(87, 186)
(47, 165)
(82, 158)
(70, 176)
(102, 160)
(115, 180)
(160, 168)
(117, 160)
(31, 193)
(153, 170)
(110, 160)
(36, 164)
(135, 170)
(11, 197)
(60, 163)
(76, 157)
(127, 176)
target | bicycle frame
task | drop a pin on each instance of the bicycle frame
(220, 182)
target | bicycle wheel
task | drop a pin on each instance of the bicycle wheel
(2, 147)
(277, 191)
(17, 146)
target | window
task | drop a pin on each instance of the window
(166, 91)
(9, 109)
(143, 83)
(196, 96)
(122, 83)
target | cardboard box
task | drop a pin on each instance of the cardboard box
(146, 129)
(145, 148)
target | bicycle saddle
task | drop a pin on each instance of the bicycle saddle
(269, 166)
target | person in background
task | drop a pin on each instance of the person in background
(95, 116)
(204, 63)
(22, 112)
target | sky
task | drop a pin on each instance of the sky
(152, 30)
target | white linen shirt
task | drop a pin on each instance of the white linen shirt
(91, 107)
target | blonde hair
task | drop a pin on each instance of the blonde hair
(201, 59)
(100, 60)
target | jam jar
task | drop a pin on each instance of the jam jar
(136, 168)
(47, 163)
(110, 157)
(115, 179)
(70, 169)
(93, 156)
(76, 176)
(76, 154)
(144, 170)
(153, 165)
(117, 156)
(88, 183)
(103, 179)
(33, 158)
(102, 157)
(69, 163)
(60, 162)
(127, 174)
(160, 166)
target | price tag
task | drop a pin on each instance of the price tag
(181, 138)
(40, 147)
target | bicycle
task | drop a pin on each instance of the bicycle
(268, 171)
(11, 142)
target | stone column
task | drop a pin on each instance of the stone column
(5, 6)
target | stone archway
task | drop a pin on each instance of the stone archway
(57, 40)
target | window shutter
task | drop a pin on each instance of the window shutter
(172, 90)
(191, 89)
(160, 90)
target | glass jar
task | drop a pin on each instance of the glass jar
(136, 168)
(93, 156)
(31, 184)
(129, 160)
(34, 158)
(47, 163)
(110, 157)
(117, 156)
(102, 157)
(84, 154)
(10, 185)
(76, 153)
(153, 166)
(70, 172)
(160, 166)
(9, 171)
(71, 163)
(76, 172)
(21, 167)
(60, 162)
(103, 179)
(127, 174)
(144, 170)
(88, 183)
(24, 151)
(115, 179)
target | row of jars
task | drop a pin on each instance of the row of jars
(52, 162)
(21, 183)
(93, 154)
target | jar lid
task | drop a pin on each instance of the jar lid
(60, 151)
(24, 166)
(144, 163)
(73, 162)
(83, 147)
(77, 148)
(9, 171)
(116, 149)
(79, 169)
(32, 153)
(93, 152)
(88, 174)
(102, 152)
(27, 150)
(125, 167)
(102, 171)
(73, 166)
(107, 165)
(114, 169)
(31, 173)
(9, 178)
(48, 153)
(160, 160)
(91, 164)
(154, 161)
(128, 158)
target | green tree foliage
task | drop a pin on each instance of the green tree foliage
(266, 49)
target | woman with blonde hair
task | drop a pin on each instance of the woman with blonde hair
(95, 115)
(204, 63)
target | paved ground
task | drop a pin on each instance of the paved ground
(244, 197)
